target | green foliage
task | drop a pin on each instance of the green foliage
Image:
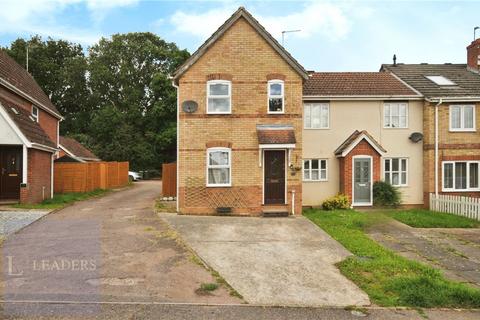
(421, 218)
(209, 286)
(384, 194)
(60, 200)
(340, 201)
(118, 100)
(389, 279)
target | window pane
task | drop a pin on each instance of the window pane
(316, 111)
(460, 175)
(387, 177)
(455, 118)
(387, 164)
(404, 178)
(323, 174)
(395, 165)
(386, 113)
(219, 89)
(403, 110)
(218, 104)
(218, 158)
(448, 175)
(395, 122)
(314, 164)
(306, 164)
(308, 118)
(404, 165)
(315, 175)
(473, 175)
(275, 104)
(395, 179)
(275, 89)
(403, 122)
(468, 117)
(394, 110)
(324, 117)
(306, 174)
(323, 164)
(218, 175)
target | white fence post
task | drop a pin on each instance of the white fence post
(468, 207)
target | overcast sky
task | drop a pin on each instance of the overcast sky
(335, 35)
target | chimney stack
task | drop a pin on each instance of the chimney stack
(473, 55)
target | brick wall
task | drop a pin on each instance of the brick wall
(346, 171)
(247, 59)
(473, 54)
(452, 146)
(39, 177)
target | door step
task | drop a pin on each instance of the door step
(275, 211)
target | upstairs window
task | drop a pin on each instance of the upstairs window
(219, 96)
(219, 167)
(275, 96)
(462, 118)
(35, 113)
(317, 115)
(395, 115)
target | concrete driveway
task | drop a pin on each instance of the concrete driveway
(272, 261)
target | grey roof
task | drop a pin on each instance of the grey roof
(467, 83)
(241, 13)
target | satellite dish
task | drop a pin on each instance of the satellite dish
(189, 106)
(416, 137)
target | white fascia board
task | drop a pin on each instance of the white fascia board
(14, 127)
(357, 141)
(277, 146)
(358, 97)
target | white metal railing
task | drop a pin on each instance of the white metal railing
(468, 207)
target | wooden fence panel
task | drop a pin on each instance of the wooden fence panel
(89, 176)
(169, 179)
(468, 207)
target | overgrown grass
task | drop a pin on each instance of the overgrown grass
(389, 279)
(421, 218)
(63, 199)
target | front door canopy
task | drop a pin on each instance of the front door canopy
(354, 139)
(276, 136)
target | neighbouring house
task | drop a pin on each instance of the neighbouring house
(240, 124)
(359, 127)
(73, 151)
(452, 141)
(29, 125)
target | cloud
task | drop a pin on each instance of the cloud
(39, 17)
(324, 18)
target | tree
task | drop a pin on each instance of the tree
(60, 68)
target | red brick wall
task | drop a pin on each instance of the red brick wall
(473, 51)
(39, 177)
(364, 149)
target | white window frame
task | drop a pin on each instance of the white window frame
(229, 96)
(462, 118)
(319, 170)
(309, 105)
(229, 166)
(35, 115)
(399, 171)
(282, 83)
(468, 189)
(391, 117)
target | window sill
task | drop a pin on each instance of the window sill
(282, 112)
(461, 190)
(328, 128)
(395, 128)
(462, 130)
(219, 185)
(224, 113)
(314, 181)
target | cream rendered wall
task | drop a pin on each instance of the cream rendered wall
(7, 135)
(348, 116)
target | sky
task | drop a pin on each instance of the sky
(335, 35)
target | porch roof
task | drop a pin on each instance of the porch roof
(354, 139)
(28, 127)
(276, 135)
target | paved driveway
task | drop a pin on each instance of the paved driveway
(12, 221)
(276, 261)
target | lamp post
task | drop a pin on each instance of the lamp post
(287, 31)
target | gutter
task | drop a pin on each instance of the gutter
(454, 99)
(362, 97)
(440, 101)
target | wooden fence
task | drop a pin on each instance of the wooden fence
(88, 176)
(461, 206)
(169, 179)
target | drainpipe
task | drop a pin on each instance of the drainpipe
(436, 145)
(178, 139)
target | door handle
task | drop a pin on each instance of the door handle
(362, 184)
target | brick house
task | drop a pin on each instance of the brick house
(240, 124)
(73, 151)
(451, 138)
(29, 125)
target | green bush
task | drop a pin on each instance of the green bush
(386, 195)
(340, 201)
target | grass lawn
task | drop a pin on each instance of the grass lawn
(61, 200)
(389, 279)
(421, 218)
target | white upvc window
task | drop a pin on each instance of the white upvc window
(395, 115)
(219, 97)
(461, 175)
(276, 101)
(395, 171)
(219, 168)
(462, 117)
(315, 170)
(317, 115)
(35, 113)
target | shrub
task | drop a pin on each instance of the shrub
(384, 194)
(340, 201)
